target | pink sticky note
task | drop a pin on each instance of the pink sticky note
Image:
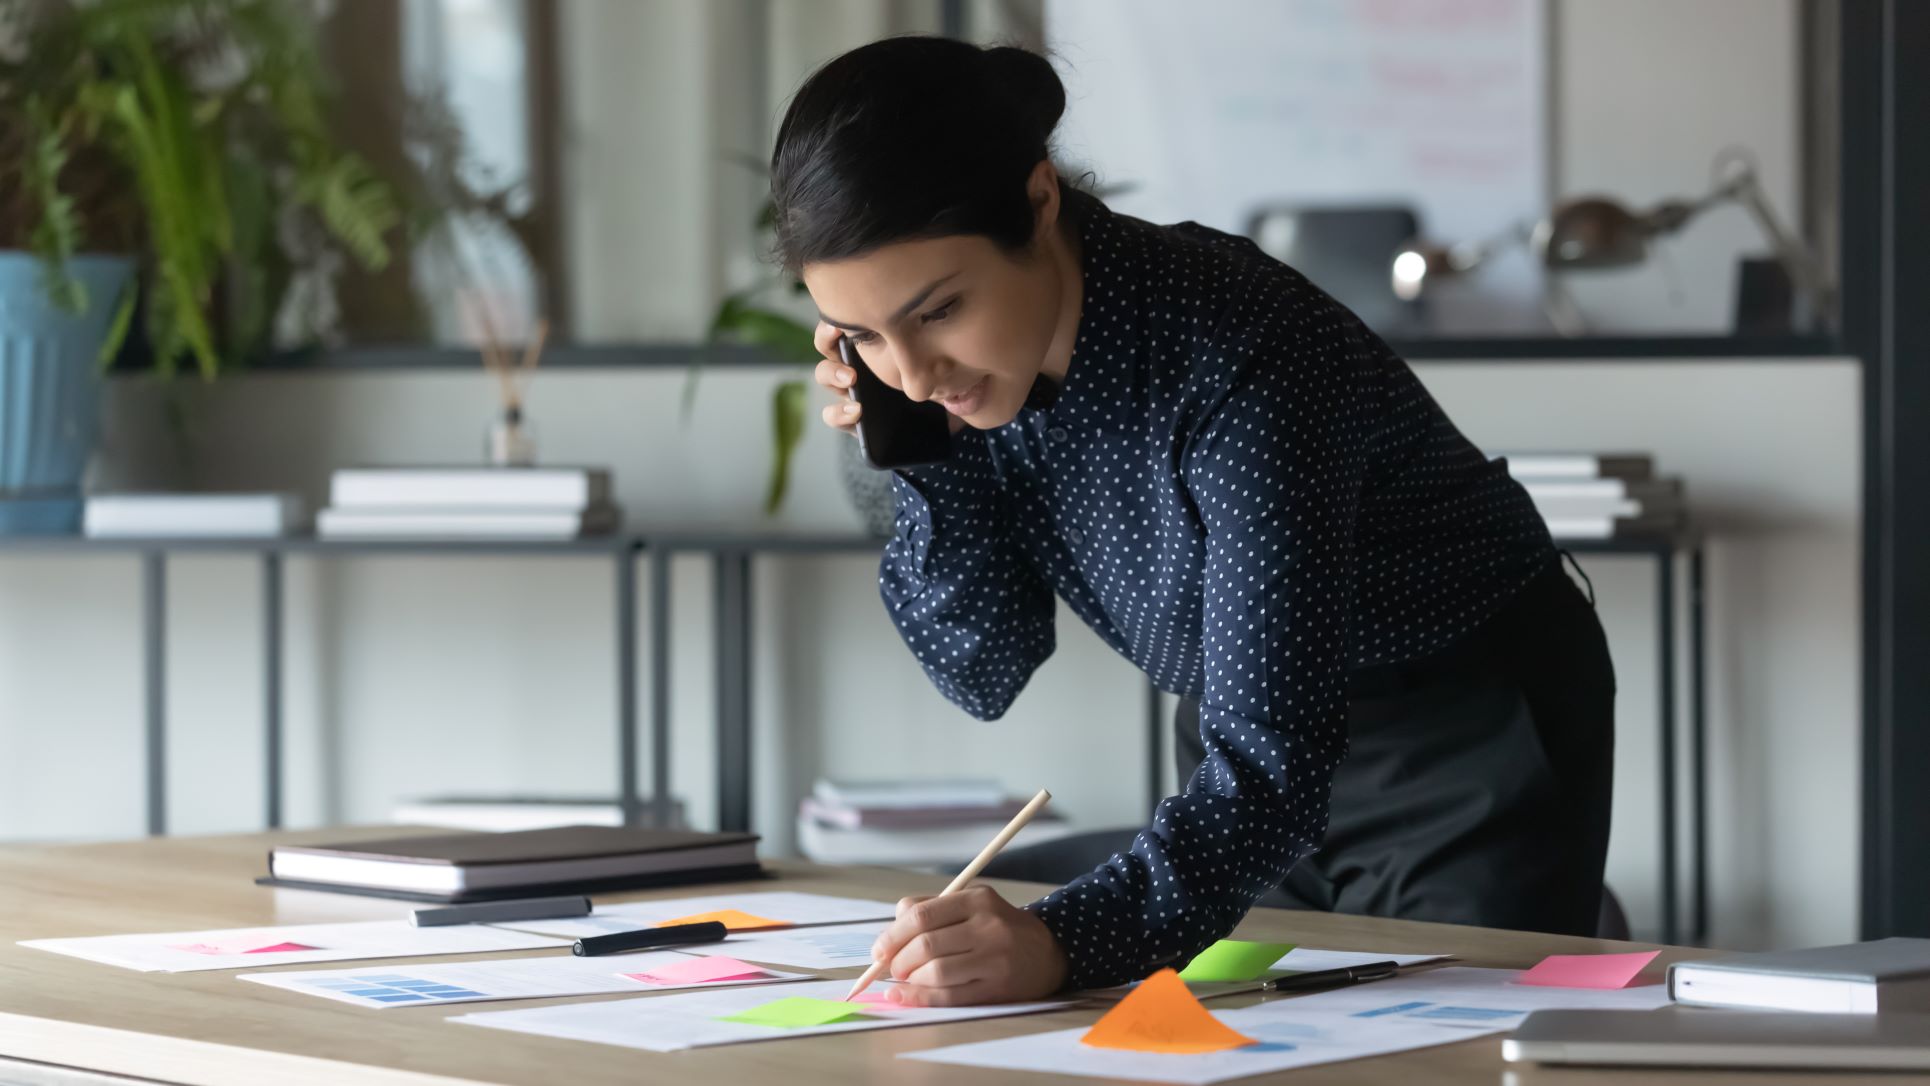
(879, 999)
(1587, 970)
(216, 948)
(699, 971)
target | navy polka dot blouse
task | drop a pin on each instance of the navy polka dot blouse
(1244, 492)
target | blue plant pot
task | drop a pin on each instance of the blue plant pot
(50, 389)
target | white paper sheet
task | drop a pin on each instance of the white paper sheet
(800, 909)
(695, 1019)
(813, 948)
(1463, 997)
(253, 948)
(1285, 1041)
(1306, 959)
(382, 987)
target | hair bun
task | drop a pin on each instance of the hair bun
(1027, 81)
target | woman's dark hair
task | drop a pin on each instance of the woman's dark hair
(911, 138)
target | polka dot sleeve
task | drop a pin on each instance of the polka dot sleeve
(1278, 502)
(965, 599)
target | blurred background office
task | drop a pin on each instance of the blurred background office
(1596, 227)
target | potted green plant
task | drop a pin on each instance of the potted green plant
(159, 161)
(755, 317)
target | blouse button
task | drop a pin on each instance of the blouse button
(1075, 537)
(1057, 433)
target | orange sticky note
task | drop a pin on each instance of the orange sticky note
(732, 919)
(1161, 1015)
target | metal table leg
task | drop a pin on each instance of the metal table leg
(660, 687)
(1665, 683)
(628, 801)
(271, 716)
(733, 588)
(154, 623)
(1155, 725)
(1698, 759)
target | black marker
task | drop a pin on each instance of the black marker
(649, 939)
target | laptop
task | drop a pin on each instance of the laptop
(1702, 1037)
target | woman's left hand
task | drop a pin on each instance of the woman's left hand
(969, 947)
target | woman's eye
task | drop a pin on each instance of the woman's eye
(940, 314)
(859, 339)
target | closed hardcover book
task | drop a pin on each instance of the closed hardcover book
(176, 516)
(1566, 508)
(915, 846)
(1643, 527)
(1647, 492)
(496, 814)
(1883, 975)
(467, 862)
(469, 488)
(852, 818)
(523, 524)
(970, 792)
(1560, 465)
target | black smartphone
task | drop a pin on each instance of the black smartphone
(895, 431)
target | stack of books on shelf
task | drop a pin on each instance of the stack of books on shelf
(923, 824)
(1600, 495)
(537, 504)
(191, 516)
(507, 813)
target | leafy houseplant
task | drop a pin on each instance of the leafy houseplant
(749, 317)
(742, 319)
(190, 134)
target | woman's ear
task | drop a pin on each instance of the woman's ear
(1042, 190)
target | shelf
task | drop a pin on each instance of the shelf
(718, 540)
(410, 358)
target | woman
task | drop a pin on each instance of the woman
(1241, 489)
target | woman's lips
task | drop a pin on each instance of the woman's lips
(968, 401)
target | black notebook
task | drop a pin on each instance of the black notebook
(471, 866)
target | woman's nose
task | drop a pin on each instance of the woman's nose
(917, 375)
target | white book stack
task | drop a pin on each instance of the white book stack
(1599, 495)
(191, 516)
(498, 814)
(935, 824)
(431, 503)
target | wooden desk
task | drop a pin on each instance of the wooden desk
(208, 1028)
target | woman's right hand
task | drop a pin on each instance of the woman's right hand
(841, 414)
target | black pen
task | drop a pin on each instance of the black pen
(1324, 978)
(649, 939)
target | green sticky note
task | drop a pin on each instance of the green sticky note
(1233, 959)
(797, 1012)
